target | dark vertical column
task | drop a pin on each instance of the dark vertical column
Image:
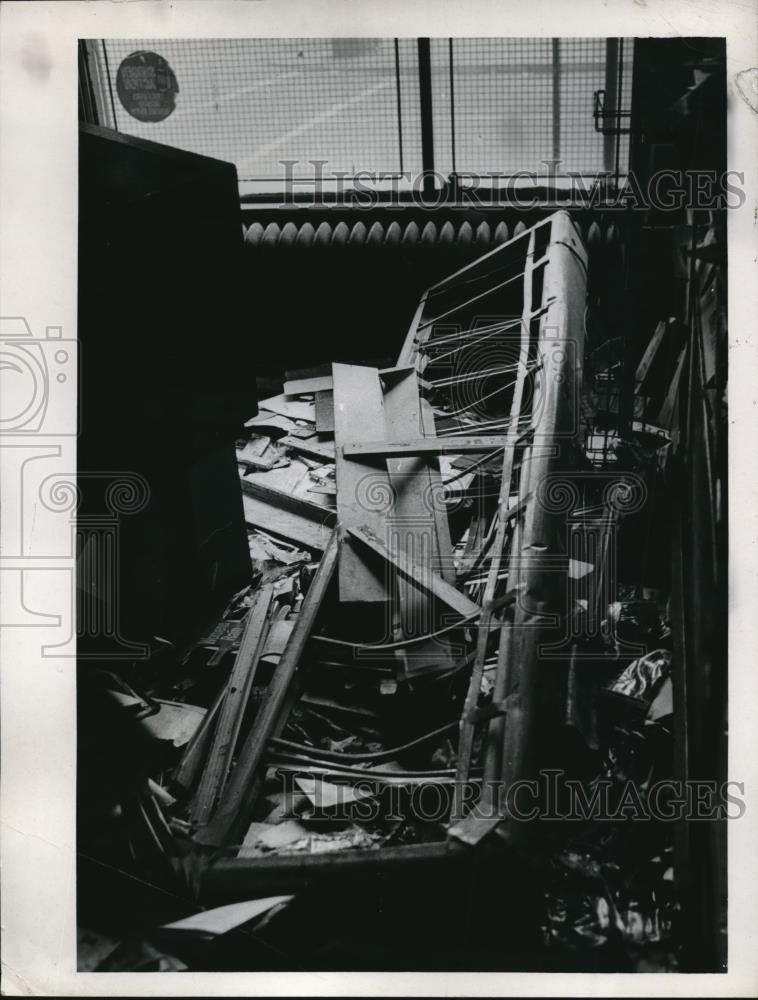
(427, 127)
(610, 142)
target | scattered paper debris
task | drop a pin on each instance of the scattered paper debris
(225, 918)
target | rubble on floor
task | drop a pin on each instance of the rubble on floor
(410, 537)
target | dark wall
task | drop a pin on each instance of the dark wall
(167, 373)
(343, 285)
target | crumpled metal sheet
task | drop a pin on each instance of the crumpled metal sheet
(642, 677)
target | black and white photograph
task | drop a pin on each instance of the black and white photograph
(387, 458)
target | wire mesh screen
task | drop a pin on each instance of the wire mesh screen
(493, 103)
(504, 105)
(581, 71)
(352, 102)
(498, 105)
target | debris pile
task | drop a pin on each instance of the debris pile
(432, 613)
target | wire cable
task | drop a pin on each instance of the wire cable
(401, 643)
(298, 762)
(378, 755)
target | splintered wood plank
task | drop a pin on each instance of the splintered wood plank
(237, 803)
(363, 488)
(294, 409)
(359, 450)
(325, 412)
(324, 383)
(444, 542)
(409, 524)
(307, 386)
(286, 524)
(321, 450)
(219, 760)
(649, 356)
(195, 752)
(401, 560)
(262, 489)
(272, 425)
(417, 494)
(292, 479)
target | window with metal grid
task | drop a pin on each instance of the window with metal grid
(505, 105)
(260, 101)
(499, 105)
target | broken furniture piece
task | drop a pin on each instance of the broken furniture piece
(500, 396)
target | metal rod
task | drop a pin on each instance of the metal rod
(399, 105)
(556, 100)
(474, 331)
(469, 302)
(452, 102)
(110, 85)
(427, 122)
(423, 446)
(472, 376)
(466, 740)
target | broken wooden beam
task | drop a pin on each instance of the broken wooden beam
(325, 412)
(293, 518)
(188, 768)
(422, 575)
(239, 878)
(237, 694)
(237, 802)
(286, 524)
(417, 491)
(259, 464)
(322, 450)
(358, 450)
(436, 494)
(288, 502)
(363, 490)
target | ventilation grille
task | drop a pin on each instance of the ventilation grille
(451, 233)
